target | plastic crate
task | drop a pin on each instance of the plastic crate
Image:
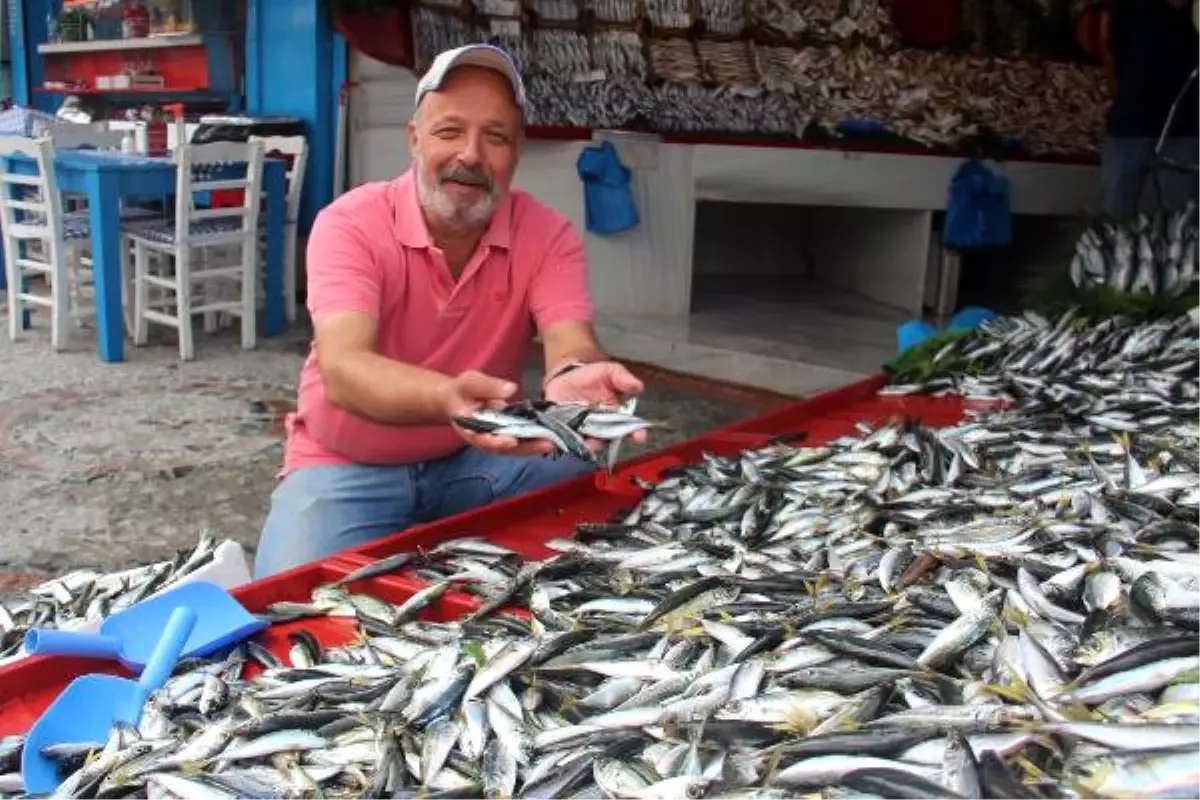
(31, 684)
(525, 523)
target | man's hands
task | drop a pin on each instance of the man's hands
(604, 383)
(471, 391)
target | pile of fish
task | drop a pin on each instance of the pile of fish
(1006, 607)
(1152, 254)
(567, 426)
(85, 595)
(824, 21)
(1116, 375)
(804, 63)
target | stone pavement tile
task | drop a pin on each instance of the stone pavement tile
(110, 465)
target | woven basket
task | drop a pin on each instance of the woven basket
(727, 63)
(675, 60)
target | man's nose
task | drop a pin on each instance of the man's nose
(471, 151)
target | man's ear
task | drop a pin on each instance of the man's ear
(413, 136)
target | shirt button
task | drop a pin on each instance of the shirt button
(498, 297)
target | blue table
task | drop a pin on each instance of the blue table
(107, 178)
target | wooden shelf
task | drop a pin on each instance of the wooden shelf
(106, 45)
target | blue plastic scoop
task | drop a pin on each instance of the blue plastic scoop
(131, 635)
(91, 705)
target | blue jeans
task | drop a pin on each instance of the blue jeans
(319, 511)
(1126, 171)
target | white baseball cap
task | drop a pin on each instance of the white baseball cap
(476, 55)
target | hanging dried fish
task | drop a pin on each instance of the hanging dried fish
(811, 20)
(774, 67)
(723, 17)
(618, 53)
(932, 98)
(506, 33)
(675, 60)
(729, 64)
(437, 31)
(498, 8)
(558, 10)
(561, 52)
(669, 14)
(623, 11)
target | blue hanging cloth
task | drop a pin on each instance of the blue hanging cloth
(978, 208)
(607, 196)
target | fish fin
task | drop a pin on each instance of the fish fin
(568, 704)
(1032, 773)
(799, 720)
(1019, 692)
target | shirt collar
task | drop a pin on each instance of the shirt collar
(412, 231)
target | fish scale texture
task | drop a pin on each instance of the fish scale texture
(109, 466)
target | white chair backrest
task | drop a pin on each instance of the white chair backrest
(76, 136)
(203, 168)
(29, 203)
(297, 148)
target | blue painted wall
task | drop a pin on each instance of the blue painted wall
(295, 66)
(26, 30)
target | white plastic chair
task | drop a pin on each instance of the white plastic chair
(76, 136)
(297, 148)
(67, 136)
(169, 254)
(31, 212)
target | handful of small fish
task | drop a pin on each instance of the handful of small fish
(1152, 254)
(567, 426)
(1007, 607)
(86, 595)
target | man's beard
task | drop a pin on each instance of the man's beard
(439, 204)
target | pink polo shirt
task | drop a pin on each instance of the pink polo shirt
(370, 251)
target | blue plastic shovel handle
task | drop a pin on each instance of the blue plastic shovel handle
(163, 659)
(47, 641)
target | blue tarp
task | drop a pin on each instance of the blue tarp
(607, 196)
(978, 208)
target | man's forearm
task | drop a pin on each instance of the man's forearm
(387, 391)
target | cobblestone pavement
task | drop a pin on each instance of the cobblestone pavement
(111, 465)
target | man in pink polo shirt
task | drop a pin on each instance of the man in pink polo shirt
(425, 293)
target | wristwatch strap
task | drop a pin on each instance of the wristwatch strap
(559, 371)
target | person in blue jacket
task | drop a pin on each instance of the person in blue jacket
(1152, 50)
